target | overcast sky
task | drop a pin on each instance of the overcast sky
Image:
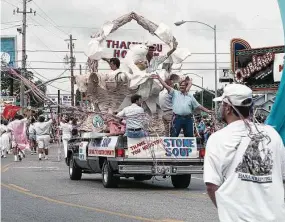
(256, 21)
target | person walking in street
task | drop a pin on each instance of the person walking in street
(32, 136)
(183, 104)
(243, 163)
(135, 118)
(74, 125)
(42, 130)
(66, 129)
(18, 131)
(5, 138)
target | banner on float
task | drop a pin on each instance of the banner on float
(103, 147)
(163, 147)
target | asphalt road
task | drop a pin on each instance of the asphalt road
(34, 190)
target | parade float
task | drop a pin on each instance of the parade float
(110, 92)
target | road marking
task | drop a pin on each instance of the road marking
(5, 167)
(189, 194)
(17, 187)
(34, 167)
(24, 191)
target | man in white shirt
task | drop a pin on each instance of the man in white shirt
(42, 130)
(243, 163)
(135, 118)
(165, 103)
(154, 61)
(66, 129)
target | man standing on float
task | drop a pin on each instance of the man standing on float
(183, 105)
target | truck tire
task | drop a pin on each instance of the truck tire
(142, 177)
(75, 172)
(181, 181)
(108, 178)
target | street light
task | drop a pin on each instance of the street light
(215, 49)
(201, 77)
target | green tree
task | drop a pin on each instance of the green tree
(33, 101)
(12, 83)
(207, 97)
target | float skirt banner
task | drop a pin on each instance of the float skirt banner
(276, 117)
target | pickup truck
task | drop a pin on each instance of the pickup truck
(118, 156)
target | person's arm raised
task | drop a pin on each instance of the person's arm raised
(189, 84)
(169, 88)
(175, 43)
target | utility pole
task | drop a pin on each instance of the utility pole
(24, 56)
(72, 64)
(81, 94)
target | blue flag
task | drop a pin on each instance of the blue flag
(276, 117)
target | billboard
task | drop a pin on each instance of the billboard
(258, 67)
(9, 51)
(6, 100)
(65, 99)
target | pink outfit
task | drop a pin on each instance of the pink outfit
(18, 129)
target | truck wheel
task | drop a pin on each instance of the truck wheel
(181, 181)
(108, 178)
(75, 173)
(142, 177)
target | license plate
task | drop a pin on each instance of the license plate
(163, 169)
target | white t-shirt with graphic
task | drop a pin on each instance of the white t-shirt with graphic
(248, 173)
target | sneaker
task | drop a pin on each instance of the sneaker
(19, 157)
(40, 158)
(46, 158)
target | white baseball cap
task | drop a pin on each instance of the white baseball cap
(237, 94)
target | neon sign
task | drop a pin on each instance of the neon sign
(258, 63)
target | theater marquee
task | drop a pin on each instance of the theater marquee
(258, 68)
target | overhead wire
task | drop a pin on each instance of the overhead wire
(43, 43)
(55, 62)
(51, 20)
(14, 26)
(47, 79)
(9, 3)
(4, 23)
(46, 28)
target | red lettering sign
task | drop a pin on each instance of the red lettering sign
(117, 45)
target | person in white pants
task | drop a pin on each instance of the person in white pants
(42, 130)
(5, 138)
(66, 129)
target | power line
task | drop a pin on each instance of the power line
(56, 62)
(198, 29)
(47, 68)
(47, 29)
(46, 79)
(51, 21)
(9, 3)
(63, 51)
(4, 23)
(11, 27)
(44, 44)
